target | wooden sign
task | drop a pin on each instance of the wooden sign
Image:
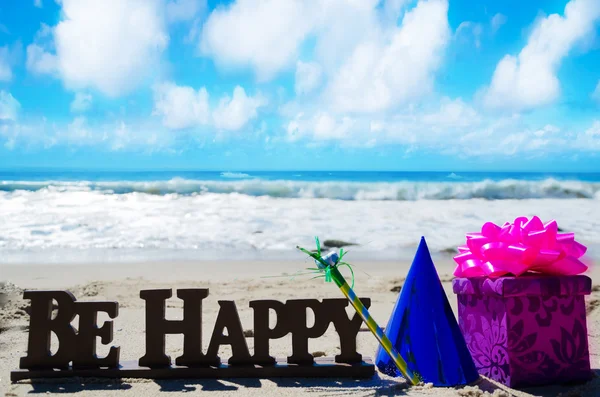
(76, 354)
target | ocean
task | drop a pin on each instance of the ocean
(95, 217)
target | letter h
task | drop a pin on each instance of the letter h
(157, 327)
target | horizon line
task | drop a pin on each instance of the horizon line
(99, 169)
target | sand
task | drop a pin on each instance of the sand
(240, 281)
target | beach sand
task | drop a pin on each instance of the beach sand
(240, 281)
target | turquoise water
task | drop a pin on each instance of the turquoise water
(307, 176)
(344, 185)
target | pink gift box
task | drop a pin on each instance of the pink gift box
(528, 330)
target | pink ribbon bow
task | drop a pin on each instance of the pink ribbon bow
(518, 247)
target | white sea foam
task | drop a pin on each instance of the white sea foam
(78, 217)
(341, 190)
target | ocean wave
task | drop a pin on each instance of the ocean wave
(45, 224)
(339, 190)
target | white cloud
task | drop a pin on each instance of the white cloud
(547, 130)
(470, 28)
(590, 139)
(9, 56)
(38, 3)
(529, 79)
(308, 77)
(114, 135)
(5, 68)
(267, 37)
(424, 126)
(40, 59)
(451, 128)
(335, 42)
(233, 113)
(111, 46)
(181, 107)
(264, 35)
(452, 113)
(81, 102)
(596, 93)
(497, 21)
(9, 107)
(322, 126)
(184, 10)
(397, 66)
(393, 8)
(78, 132)
(594, 130)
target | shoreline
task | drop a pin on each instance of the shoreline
(53, 275)
(125, 256)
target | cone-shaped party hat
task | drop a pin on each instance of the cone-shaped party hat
(423, 329)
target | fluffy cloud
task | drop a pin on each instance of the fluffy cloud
(183, 107)
(111, 46)
(451, 128)
(308, 77)
(267, 36)
(452, 113)
(9, 107)
(81, 102)
(335, 42)
(264, 35)
(38, 3)
(370, 67)
(413, 126)
(233, 113)
(40, 59)
(393, 68)
(116, 135)
(322, 126)
(529, 79)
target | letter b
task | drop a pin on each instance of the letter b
(41, 324)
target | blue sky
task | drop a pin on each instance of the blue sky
(290, 84)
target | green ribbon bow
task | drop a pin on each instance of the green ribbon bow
(325, 265)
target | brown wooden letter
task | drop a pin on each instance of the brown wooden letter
(228, 318)
(41, 325)
(296, 318)
(85, 354)
(157, 327)
(346, 329)
(262, 331)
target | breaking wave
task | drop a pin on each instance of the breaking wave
(338, 190)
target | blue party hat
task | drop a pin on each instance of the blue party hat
(423, 329)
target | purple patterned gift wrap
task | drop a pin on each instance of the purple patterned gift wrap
(528, 330)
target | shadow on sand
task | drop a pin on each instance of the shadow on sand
(376, 386)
